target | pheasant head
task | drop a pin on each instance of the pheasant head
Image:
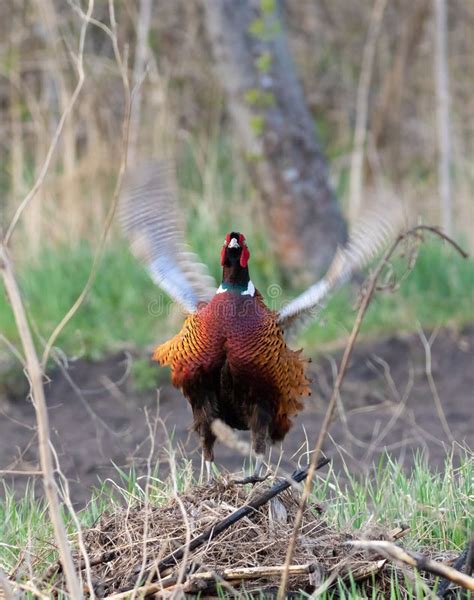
(234, 260)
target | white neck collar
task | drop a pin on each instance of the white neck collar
(250, 291)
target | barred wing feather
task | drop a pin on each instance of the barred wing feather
(149, 215)
(371, 234)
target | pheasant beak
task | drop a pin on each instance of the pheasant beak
(233, 243)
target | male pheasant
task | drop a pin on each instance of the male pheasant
(230, 358)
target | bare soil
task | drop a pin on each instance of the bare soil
(388, 402)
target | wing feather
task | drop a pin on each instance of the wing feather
(370, 235)
(149, 215)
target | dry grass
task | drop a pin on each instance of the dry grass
(117, 542)
(182, 105)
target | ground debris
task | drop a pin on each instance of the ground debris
(257, 543)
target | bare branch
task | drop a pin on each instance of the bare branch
(419, 561)
(4, 472)
(57, 134)
(152, 436)
(35, 375)
(122, 63)
(432, 385)
(369, 292)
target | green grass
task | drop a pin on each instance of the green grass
(438, 507)
(121, 310)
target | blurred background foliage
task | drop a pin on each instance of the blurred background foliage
(183, 115)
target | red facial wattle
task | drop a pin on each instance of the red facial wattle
(245, 255)
(224, 247)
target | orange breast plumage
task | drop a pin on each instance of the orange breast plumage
(241, 334)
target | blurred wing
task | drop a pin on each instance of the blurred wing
(370, 235)
(149, 215)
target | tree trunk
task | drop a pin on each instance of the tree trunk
(275, 130)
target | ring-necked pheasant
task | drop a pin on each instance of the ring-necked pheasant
(230, 358)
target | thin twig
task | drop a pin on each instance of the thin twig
(16, 353)
(66, 495)
(5, 585)
(35, 375)
(57, 134)
(371, 287)
(122, 63)
(139, 71)
(362, 108)
(441, 65)
(27, 587)
(432, 384)
(182, 509)
(419, 561)
(152, 436)
(4, 472)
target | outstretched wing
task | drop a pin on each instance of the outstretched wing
(369, 236)
(149, 215)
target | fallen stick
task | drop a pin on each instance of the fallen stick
(57, 568)
(399, 532)
(195, 581)
(365, 571)
(146, 590)
(419, 561)
(216, 529)
(250, 572)
(238, 574)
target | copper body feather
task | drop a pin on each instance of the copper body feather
(233, 348)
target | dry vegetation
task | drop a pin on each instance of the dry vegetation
(132, 536)
(182, 108)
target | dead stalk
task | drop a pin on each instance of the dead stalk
(362, 108)
(419, 561)
(122, 64)
(431, 382)
(371, 286)
(33, 365)
(35, 374)
(139, 70)
(5, 585)
(441, 65)
(4, 472)
(59, 129)
(152, 436)
(80, 538)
